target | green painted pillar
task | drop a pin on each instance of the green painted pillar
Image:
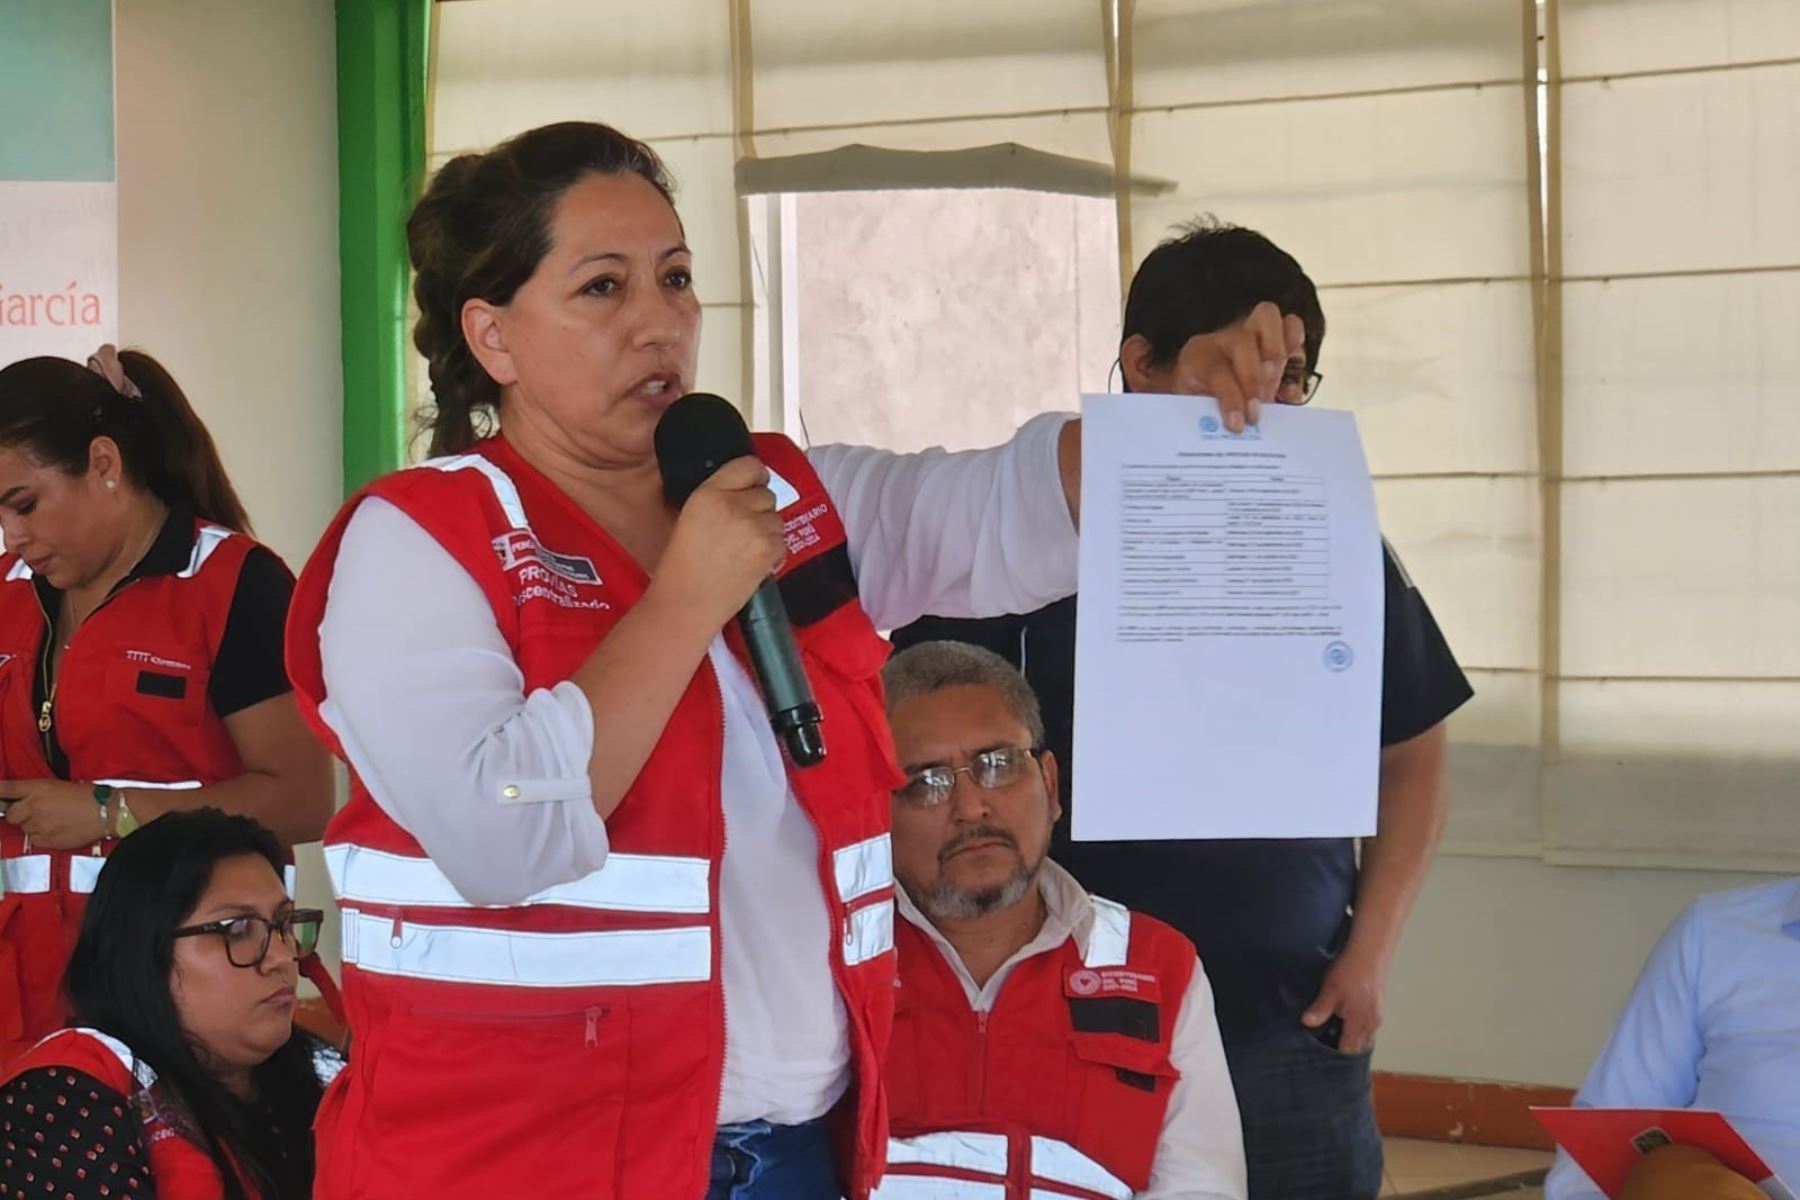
(383, 55)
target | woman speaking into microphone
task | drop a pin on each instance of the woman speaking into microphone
(601, 938)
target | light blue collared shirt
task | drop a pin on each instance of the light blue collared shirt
(1713, 1023)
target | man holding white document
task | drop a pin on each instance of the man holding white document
(1299, 985)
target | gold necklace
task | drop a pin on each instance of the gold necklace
(155, 532)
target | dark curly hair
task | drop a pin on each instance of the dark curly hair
(1209, 275)
(479, 232)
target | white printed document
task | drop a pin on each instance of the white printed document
(1229, 632)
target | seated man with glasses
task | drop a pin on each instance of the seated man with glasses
(1297, 935)
(185, 1075)
(1045, 1041)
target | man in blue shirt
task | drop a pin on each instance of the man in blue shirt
(1713, 1024)
(1295, 938)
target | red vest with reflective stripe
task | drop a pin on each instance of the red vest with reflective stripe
(130, 709)
(1060, 1089)
(573, 1043)
(181, 1169)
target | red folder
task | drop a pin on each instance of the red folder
(1607, 1142)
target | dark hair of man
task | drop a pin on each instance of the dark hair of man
(1210, 275)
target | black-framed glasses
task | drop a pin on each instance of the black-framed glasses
(996, 768)
(1298, 385)
(247, 937)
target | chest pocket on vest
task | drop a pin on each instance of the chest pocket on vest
(161, 688)
(844, 647)
(1120, 1088)
(554, 641)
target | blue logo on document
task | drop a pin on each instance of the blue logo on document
(1339, 657)
(1212, 429)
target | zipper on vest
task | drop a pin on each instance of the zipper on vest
(591, 1018)
(395, 932)
(593, 1015)
(44, 720)
(718, 896)
(46, 717)
(981, 1055)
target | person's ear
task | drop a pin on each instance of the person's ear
(106, 466)
(1137, 365)
(483, 327)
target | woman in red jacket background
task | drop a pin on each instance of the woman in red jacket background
(140, 652)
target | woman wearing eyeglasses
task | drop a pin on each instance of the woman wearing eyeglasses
(184, 1077)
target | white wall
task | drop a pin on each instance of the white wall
(949, 317)
(1514, 970)
(228, 257)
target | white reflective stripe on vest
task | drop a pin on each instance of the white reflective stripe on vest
(869, 932)
(956, 1149)
(28, 874)
(141, 1071)
(84, 872)
(1109, 940)
(926, 1187)
(179, 785)
(505, 491)
(210, 538)
(1059, 1162)
(510, 958)
(652, 883)
(863, 868)
(18, 571)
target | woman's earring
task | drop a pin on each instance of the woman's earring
(111, 484)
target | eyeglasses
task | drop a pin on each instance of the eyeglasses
(996, 768)
(1298, 385)
(247, 937)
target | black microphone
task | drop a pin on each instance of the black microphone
(697, 435)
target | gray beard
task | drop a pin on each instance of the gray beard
(944, 901)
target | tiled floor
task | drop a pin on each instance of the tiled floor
(1415, 1166)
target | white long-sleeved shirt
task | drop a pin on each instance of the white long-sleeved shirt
(431, 709)
(1200, 1152)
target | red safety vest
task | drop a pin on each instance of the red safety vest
(1059, 1090)
(180, 1168)
(573, 1043)
(130, 709)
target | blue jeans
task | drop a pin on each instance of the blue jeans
(759, 1161)
(1309, 1118)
